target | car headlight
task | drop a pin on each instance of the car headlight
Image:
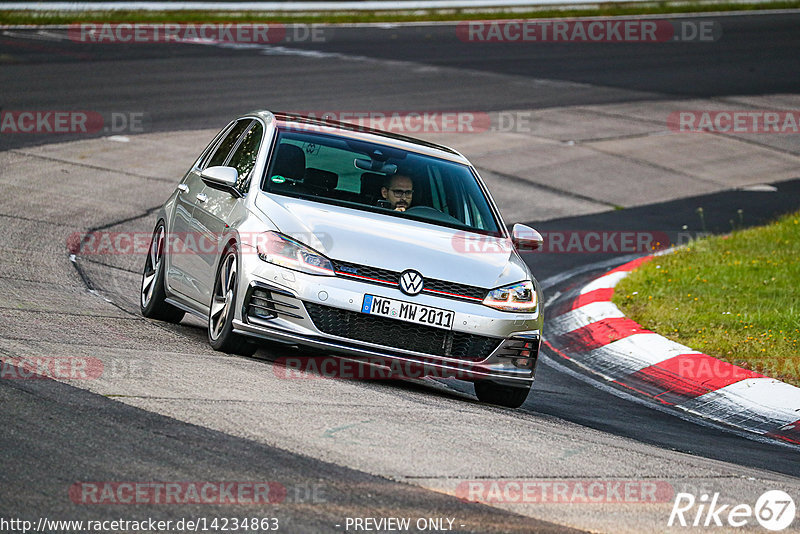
(284, 251)
(519, 297)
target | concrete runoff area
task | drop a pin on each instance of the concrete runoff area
(576, 160)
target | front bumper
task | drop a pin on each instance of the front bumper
(286, 306)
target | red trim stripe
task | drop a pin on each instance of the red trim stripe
(687, 376)
(387, 282)
(598, 295)
(600, 333)
(551, 347)
(640, 391)
(790, 432)
(451, 294)
(672, 381)
(631, 265)
(341, 273)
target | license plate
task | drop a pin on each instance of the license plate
(408, 311)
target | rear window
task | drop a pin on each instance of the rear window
(378, 178)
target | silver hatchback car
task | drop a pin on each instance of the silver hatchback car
(352, 241)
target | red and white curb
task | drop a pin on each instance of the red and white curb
(594, 333)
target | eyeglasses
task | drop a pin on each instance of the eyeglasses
(402, 192)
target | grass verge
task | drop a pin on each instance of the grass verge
(734, 297)
(10, 17)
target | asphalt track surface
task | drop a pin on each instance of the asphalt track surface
(55, 434)
(194, 87)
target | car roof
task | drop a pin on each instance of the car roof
(362, 133)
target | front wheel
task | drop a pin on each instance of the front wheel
(501, 395)
(223, 304)
(152, 295)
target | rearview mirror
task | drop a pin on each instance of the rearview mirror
(374, 165)
(525, 238)
(223, 178)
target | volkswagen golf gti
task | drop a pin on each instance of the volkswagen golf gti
(349, 241)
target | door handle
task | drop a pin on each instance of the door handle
(183, 188)
(201, 197)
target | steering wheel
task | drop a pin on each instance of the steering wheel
(431, 213)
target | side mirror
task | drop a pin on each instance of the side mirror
(224, 178)
(525, 238)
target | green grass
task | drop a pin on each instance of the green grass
(612, 9)
(734, 297)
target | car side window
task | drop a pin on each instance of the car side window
(221, 154)
(209, 150)
(244, 157)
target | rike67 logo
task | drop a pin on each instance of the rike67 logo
(774, 510)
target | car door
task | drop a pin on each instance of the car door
(215, 206)
(188, 248)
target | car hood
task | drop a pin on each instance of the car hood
(396, 243)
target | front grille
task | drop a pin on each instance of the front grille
(472, 292)
(401, 334)
(376, 275)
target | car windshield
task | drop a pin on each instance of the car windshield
(378, 178)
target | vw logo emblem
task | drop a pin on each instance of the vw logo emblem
(411, 282)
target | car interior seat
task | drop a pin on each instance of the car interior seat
(290, 164)
(371, 184)
(320, 182)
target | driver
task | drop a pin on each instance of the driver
(398, 191)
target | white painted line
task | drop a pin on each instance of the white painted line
(618, 359)
(552, 298)
(763, 188)
(646, 349)
(580, 317)
(39, 35)
(607, 281)
(775, 402)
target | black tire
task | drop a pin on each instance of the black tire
(151, 292)
(501, 395)
(223, 304)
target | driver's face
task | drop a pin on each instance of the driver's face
(399, 192)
